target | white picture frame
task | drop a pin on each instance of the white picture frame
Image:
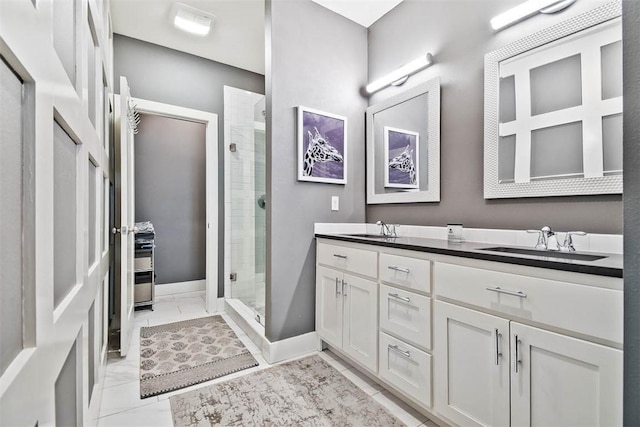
(322, 146)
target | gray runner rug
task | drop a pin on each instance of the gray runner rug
(304, 392)
(177, 355)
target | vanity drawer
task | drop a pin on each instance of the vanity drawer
(406, 368)
(405, 271)
(584, 309)
(359, 261)
(406, 315)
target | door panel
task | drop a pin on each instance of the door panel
(360, 339)
(563, 381)
(329, 305)
(125, 215)
(471, 378)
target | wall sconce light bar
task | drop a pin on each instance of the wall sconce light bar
(527, 9)
(401, 74)
(191, 20)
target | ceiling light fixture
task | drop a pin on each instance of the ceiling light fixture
(400, 75)
(527, 9)
(191, 20)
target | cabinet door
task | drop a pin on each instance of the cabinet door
(360, 339)
(563, 381)
(329, 305)
(471, 360)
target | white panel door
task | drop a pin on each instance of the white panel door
(329, 305)
(471, 365)
(563, 381)
(125, 216)
(360, 339)
(51, 133)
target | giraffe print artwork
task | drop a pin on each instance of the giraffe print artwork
(322, 147)
(401, 149)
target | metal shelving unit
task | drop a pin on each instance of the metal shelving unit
(144, 274)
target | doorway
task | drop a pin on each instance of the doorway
(210, 121)
(208, 210)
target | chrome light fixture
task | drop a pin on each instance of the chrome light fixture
(528, 9)
(400, 75)
(191, 20)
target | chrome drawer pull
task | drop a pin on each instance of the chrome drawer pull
(405, 299)
(400, 269)
(340, 256)
(516, 354)
(337, 288)
(499, 290)
(498, 352)
(395, 348)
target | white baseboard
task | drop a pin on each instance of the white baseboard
(290, 347)
(179, 287)
(276, 351)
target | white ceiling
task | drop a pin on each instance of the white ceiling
(364, 12)
(237, 37)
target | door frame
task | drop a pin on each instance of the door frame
(210, 120)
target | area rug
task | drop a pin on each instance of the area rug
(177, 355)
(304, 392)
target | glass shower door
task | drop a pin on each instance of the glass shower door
(247, 176)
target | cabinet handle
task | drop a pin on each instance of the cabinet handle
(405, 299)
(498, 352)
(516, 354)
(404, 353)
(400, 269)
(499, 290)
(340, 256)
(337, 288)
(344, 289)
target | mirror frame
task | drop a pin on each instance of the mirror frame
(432, 194)
(493, 189)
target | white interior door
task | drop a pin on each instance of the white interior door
(125, 214)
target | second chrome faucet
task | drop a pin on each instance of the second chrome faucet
(547, 239)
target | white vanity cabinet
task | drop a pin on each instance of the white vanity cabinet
(472, 342)
(347, 304)
(492, 369)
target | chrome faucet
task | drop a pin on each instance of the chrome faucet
(388, 230)
(548, 241)
(567, 245)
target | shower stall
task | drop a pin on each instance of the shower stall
(245, 202)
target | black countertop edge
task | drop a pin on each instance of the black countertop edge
(471, 250)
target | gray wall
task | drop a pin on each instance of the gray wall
(458, 34)
(165, 75)
(170, 171)
(317, 59)
(631, 46)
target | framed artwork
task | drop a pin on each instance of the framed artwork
(322, 146)
(401, 157)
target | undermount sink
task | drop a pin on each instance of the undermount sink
(372, 236)
(551, 254)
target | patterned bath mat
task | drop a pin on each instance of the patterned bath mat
(304, 392)
(177, 355)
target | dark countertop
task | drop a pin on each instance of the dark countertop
(610, 266)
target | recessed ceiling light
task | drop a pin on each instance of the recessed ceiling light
(191, 20)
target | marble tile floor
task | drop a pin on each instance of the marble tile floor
(121, 404)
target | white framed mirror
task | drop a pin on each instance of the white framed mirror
(403, 146)
(553, 110)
